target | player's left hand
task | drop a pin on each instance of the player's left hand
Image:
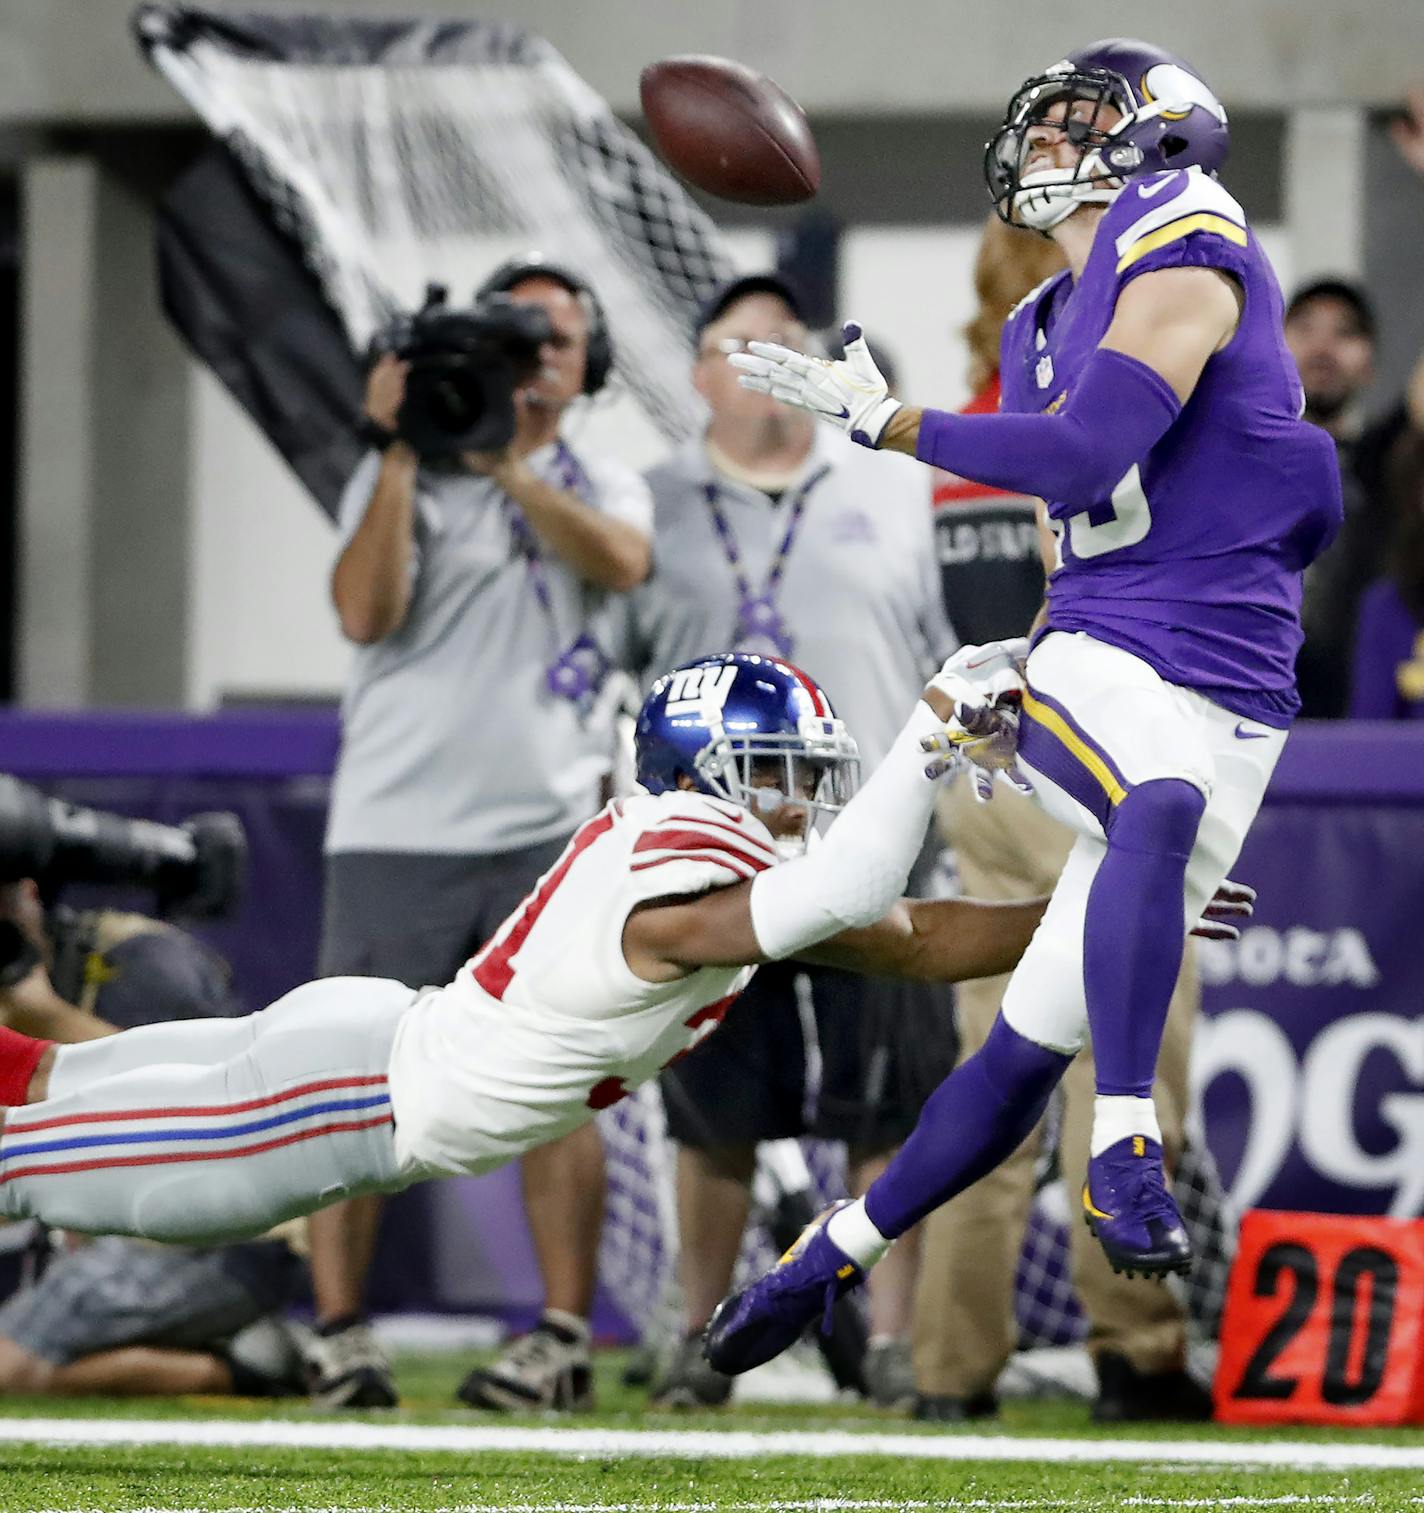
(1230, 903)
(985, 676)
(985, 739)
(985, 685)
(850, 393)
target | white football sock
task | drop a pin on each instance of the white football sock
(849, 1229)
(1115, 1118)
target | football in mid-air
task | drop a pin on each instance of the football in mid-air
(730, 130)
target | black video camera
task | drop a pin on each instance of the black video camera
(196, 868)
(464, 368)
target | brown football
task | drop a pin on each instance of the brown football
(730, 130)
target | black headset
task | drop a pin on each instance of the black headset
(598, 360)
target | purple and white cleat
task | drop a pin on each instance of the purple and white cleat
(752, 1326)
(1129, 1210)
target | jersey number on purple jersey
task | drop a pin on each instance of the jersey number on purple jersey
(1126, 524)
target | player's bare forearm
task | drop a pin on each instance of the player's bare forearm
(902, 432)
(607, 552)
(370, 584)
(936, 940)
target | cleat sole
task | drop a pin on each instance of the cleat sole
(1140, 1266)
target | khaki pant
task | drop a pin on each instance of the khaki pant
(964, 1329)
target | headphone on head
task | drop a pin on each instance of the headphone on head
(598, 360)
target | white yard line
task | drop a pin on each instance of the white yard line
(709, 1445)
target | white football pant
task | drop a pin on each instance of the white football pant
(1097, 721)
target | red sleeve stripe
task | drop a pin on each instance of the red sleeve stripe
(683, 841)
(741, 870)
(750, 840)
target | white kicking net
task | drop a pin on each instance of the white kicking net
(404, 152)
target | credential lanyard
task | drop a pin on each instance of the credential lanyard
(571, 476)
(578, 672)
(733, 553)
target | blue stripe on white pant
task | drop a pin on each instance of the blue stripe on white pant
(154, 1132)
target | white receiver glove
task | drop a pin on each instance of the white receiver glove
(986, 684)
(978, 677)
(850, 393)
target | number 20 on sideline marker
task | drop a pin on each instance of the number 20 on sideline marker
(1324, 1322)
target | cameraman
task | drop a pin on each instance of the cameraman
(113, 1315)
(474, 741)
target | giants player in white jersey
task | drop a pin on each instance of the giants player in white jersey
(623, 957)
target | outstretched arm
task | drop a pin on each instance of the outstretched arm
(854, 876)
(936, 940)
(1166, 325)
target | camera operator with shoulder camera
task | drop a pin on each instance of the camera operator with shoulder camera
(116, 1315)
(477, 548)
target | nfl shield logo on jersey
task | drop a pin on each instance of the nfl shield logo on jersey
(1044, 371)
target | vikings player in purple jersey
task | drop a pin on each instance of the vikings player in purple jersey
(1150, 401)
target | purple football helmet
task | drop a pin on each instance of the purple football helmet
(1169, 119)
(753, 730)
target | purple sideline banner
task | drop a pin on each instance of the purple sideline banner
(1310, 1059)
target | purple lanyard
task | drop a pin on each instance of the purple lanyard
(571, 476)
(723, 527)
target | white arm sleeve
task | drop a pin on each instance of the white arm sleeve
(859, 870)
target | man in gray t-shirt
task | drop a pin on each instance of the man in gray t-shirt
(474, 744)
(778, 536)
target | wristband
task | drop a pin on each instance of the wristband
(375, 435)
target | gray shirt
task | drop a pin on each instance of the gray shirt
(860, 593)
(452, 741)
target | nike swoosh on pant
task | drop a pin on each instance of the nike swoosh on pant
(1242, 734)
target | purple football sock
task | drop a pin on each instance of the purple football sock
(1134, 931)
(977, 1117)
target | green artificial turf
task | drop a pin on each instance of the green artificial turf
(35, 1477)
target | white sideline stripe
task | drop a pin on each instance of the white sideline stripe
(706, 1444)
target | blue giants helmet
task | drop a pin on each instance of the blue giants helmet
(749, 729)
(1169, 119)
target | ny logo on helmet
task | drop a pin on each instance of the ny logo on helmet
(700, 691)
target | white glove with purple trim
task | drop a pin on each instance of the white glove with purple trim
(850, 393)
(986, 685)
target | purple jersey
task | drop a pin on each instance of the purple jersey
(1194, 563)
